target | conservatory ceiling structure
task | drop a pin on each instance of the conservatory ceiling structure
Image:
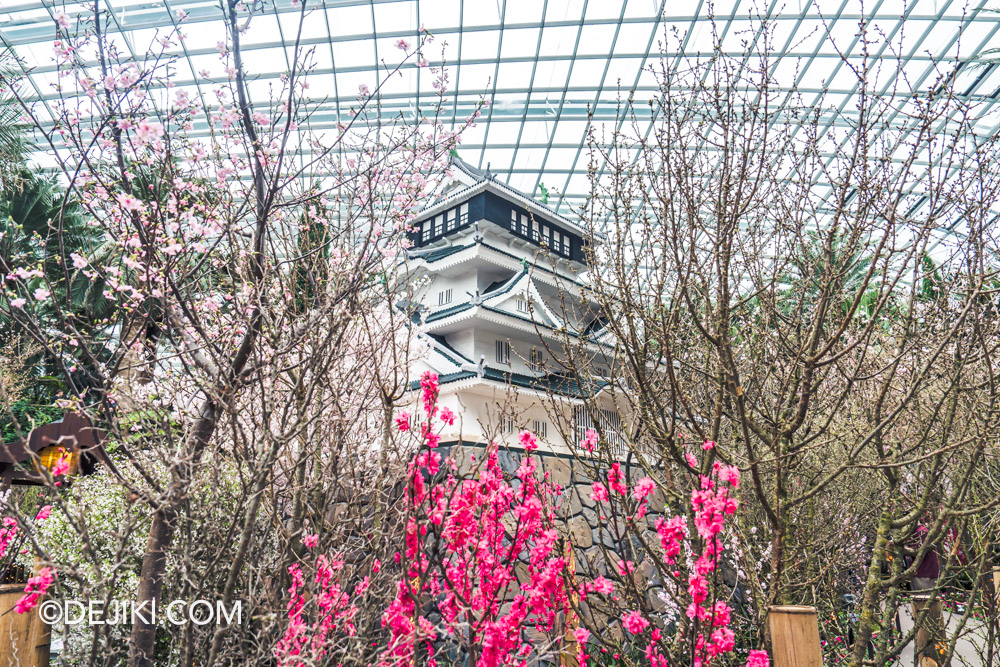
(545, 64)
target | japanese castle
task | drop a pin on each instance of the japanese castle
(497, 294)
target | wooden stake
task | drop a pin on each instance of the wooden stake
(794, 636)
(24, 638)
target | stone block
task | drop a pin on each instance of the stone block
(569, 502)
(596, 563)
(559, 469)
(656, 603)
(606, 537)
(657, 502)
(584, 492)
(521, 572)
(509, 460)
(580, 532)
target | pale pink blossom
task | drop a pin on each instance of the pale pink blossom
(61, 18)
(147, 132)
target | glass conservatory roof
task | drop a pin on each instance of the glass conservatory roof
(545, 64)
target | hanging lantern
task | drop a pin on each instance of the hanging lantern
(59, 461)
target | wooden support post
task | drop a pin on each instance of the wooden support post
(794, 636)
(24, 638)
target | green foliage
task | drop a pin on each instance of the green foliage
(26, 416)
(13, 142)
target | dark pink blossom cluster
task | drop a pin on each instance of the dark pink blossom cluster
(39, 584)
(480, 528)
(464, 537)
(329, 611)
(711, 503)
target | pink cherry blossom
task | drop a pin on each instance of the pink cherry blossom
(616, 479)
(634, 622)
(61, 466)
(581, 635)
(447, 416)
(730, 475)
(598, 493)
(7, 533)
(644, 487)
(528, 441)
(147, 132)
(61, 18)
(37, 586)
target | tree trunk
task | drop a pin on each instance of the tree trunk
(161, 533)
(869, 600)
(154, 565)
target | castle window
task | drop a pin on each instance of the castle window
(444, 297)
(463, 215)
(534, 231)
(425, 231)
(503, 352)
(451, 219)
(522, 306)
(540, 428)
(547, 235)
(513, 221)
(611, 428)
(438, 222)
(535, 360)
(508, 424)
(524, 225)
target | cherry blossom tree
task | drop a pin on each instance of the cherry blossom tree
(244, 275)
(818, 298)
